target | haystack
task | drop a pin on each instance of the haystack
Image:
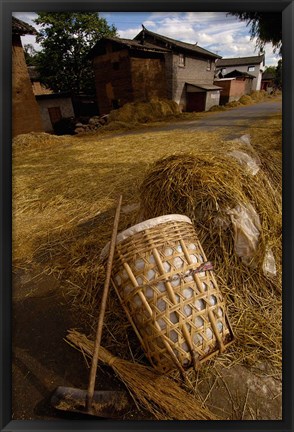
(141, 112)
(208, 185)
(246, 100)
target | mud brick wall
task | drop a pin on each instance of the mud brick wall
(123, 77)
(148, 79)
(25, 111)
(113, 80)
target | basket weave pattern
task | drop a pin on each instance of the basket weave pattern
(177, 311)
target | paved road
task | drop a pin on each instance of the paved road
(235, 119)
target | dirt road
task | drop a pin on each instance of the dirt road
(236, 119)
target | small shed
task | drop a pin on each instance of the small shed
(201, 97)
(53, 107)
(234, 85)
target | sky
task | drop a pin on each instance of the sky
(215, 31)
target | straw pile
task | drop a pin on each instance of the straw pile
(36, 140)
(204, 185)
(245, 100)
(141, 112)
(64, 193)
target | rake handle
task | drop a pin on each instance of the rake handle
(93, 371)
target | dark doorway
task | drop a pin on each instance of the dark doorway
(55, 114)
(196, 101)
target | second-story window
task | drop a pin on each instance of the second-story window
(208, 66)
(181, 60)
(251, 68)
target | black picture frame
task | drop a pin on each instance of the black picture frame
(287, 10)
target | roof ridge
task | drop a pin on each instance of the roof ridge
(193, 47)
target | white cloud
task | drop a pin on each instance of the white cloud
(130, 33)
(215, 31)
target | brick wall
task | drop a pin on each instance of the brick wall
(256, 82)
(25, 111)
(232, 90)
(194, 71)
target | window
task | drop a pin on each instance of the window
(208, 67)
(224, 70)
(251, 68)
(181, 60)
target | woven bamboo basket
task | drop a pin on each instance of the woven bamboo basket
(169, 293)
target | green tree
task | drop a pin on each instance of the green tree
(270, 69)
(66, 38)
(30, 55)
(278, 75)
(264, 26)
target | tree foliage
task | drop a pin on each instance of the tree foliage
(30, 55)
(276, 72)
(265, 27)
(66, 38)
(278, 75)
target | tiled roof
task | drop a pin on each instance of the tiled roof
(236, 73)
(129, 43)
(240, 61)
(173, 43)
(137, 44)
(207, 87)
(268, 75)
(21, 28)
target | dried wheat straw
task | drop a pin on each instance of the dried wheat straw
(161, 396)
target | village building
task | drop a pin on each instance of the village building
(25, 111)
(234, 85)
(252, 65)
(153, 66)
(53, 106)
(38, 87)
(268, 81)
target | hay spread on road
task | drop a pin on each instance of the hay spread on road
(64, 193)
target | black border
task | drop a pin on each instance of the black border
(7, 7)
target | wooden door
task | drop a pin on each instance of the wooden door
(55, 114)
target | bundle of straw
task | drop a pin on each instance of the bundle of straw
(204, 185)
(160, 395)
